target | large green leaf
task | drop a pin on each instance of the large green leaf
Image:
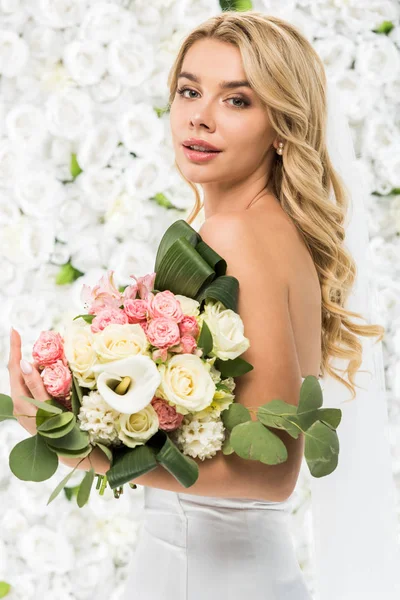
(211, 257)
(321, 449)
(130, 464)
(76, 396)
(57, 426)
(85, 488)
(31, 460)
(182, 270)
(224, 288)
(236, 413)
(6, 408)
(178, 229)
(233, 367)
(279, 414)
(253, 441)
(182, 467)
(76, 439)
(205, 340)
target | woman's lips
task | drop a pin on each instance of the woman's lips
(198, 156)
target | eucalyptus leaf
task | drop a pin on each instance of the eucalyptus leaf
(57, 423)
(85, 488)
(6, 408)
(43, 415)
(253, 441)
(130, 464)
(321, 449)
(279, 414)
(330, 416)
(76, 439)
(81, 453)
(31, 460)
(226, 446)
(233, 367)
(46, 405)
(107, 451)
(61, 485)
(310, 401)
(236, 413)
(205, 339)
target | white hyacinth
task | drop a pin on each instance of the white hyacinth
(98, 419)
(199, 438)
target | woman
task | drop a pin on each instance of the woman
(268, 212)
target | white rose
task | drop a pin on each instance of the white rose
(141, 130)
(97, 146)
(101, 187)
(69, 113)
(186, 383)
(132, 61)
(58, 14)
(39, 193)
(79, 351)
(28, 242)
(189, 306)
(378, 60)
(118, 341)
(26, 126)
(105, 22)
(86, 61)
(45, 43)
(227, 329)
(14, 53)
(137, 428)
(145, 177)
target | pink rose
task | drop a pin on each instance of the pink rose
(168, 417)
(160, 353)
(57, 379)
(103, 295)
(136, 310)
(106, 317)
(48, 348)
(165, 304)
(188, 343)
(189, 325)
(163, 332)
(144, 325)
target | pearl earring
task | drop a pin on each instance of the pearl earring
(280, 149)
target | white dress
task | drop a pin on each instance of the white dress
(193, 547)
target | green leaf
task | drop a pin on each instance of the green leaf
(310, 400)
(43, 415)
(162, 200)
(85, 487)
(226, 446)
(72, 491)
(81, 453)
(233, 368)
(177, 230)
(205, 340)
(107, 451)
(236, 413)
(385, 27)
(31, 460)
(224, 289)
(57, 426)
(279, 414)
(61, 485)
(253, 441)
(4, 589)
(6, 408)
(182, 467)
(76, 396)
(321, 449)
(330, 416)
(74, 166)
(212, 258)
(130, 464)
(47, 405)
(87, 318)
(76, 439)
(67, 274)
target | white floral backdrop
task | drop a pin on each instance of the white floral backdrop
(87, 183)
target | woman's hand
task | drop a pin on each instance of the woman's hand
(24, 384)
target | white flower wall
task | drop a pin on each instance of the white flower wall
(87, 183)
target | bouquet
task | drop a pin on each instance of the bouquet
(147, 374)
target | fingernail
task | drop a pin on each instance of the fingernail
(25, 367)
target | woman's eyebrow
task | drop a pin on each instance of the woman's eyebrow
(223, 84)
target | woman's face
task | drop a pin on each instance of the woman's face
(231, 118)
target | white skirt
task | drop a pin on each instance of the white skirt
(201, 547)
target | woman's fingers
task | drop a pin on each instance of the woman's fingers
(34, 382)
(17, 384)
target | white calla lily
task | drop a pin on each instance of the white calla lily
(145, 379)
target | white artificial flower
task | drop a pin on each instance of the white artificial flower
(137, 428)
(97, 146)
(378, 60)
(105, 22)
(26, 126)
(337, 52)
(14, 53)
(85, 60)
(89, 247)
(39, 193)
(190, 306)
(101, 187)
(69, 113)
(186, 383)
(44, 550)
(141, 130)
(200, 438)
(145, 176)
(118, 341)
(45, 43)
(58, 14)
(129, 257)
(8, 164)
(98, 419)
(132, 60)
(27, 242)
(361, 16)
(144, 380)
(227, 330)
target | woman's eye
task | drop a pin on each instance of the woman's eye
(181, 91)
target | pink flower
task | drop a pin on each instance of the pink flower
(189, 325)
(136, 310)
(163, 332)
(144, 325)
(144, 284)
(48, 348)
(57, 379)
(106, 317)
(160, 353)
(168, 417)
(103, 295)
(130, 292)
(165, 304)
(188, 343)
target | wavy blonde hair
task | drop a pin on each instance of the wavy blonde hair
(289, 77)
